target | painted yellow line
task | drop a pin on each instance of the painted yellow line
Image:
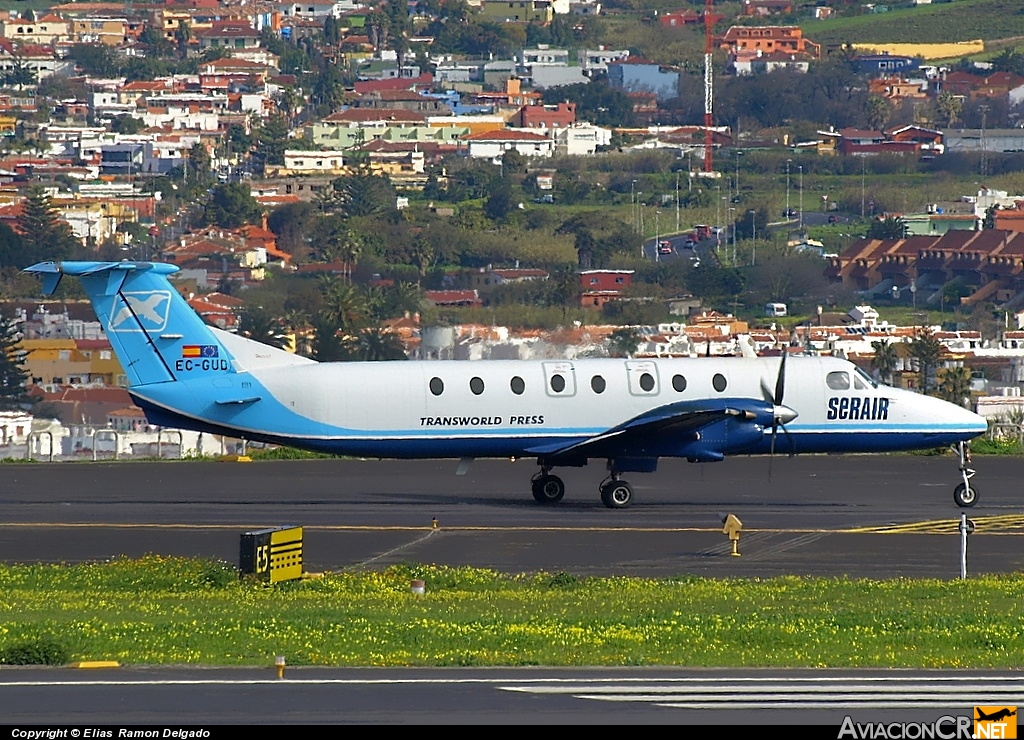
(1000, 524)
(95, 664)
(1007, 524)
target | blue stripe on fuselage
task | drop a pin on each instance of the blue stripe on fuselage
(508, 446)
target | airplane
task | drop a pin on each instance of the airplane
(995, 716)
(629, 412)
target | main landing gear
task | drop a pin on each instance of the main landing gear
(549, 489)
(616, 493)
(965, 494)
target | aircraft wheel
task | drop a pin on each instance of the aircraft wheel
(548, 489)
(965, 495)
(617, 494)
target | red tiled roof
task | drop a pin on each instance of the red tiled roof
(363, 115)
(505, 134)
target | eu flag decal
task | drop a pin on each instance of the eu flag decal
(200, 350)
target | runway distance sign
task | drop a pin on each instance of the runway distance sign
(272, 555)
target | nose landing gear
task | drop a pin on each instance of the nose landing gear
(965, 494)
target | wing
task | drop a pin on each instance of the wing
(671, 429)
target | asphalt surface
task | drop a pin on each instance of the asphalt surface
(816, 515)
(862, 516)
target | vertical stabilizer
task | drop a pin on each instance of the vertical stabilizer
(157, 336)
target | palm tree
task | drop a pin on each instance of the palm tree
(350, 247)
(376, 344)
(345, 306)
(926, 351)
(955, 384)
(566, 288)
(885, 359)
(257, 323)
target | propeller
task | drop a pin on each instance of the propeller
(781, 415)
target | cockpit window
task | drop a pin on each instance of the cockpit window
(861, 376)
(838, 381)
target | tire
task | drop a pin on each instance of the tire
(965, 495)
(548, 489)
(617, 494)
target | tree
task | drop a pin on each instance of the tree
(623, 342)
(365, 195)
(377, 344)
(12, 371)
(566, 291)
(291, 223)
(954, 384)
(892, 227)
(327, 346)
(499, 204)
(345, 307)
(95, 59)
(45, 235)
(950, 106)
(926, 351)
(272, 138)
(127, 125)
(877, 112)
(232, 205)
(885, 359)
(258, 324)
(332, 33)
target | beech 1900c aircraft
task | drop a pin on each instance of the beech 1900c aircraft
(186, 374)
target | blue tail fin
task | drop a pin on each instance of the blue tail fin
(155, 333)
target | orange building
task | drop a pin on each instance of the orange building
(789, 39)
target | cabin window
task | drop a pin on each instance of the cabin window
(598, 384)
(436, 386)
(476, 385)
(838, 381)
(647, 382)
(518, 385)
(678, 383)
(557, 383)
(719, 382)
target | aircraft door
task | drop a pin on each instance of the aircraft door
(643, 377)
(559, 379)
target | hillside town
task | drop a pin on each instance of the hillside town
(400, 180)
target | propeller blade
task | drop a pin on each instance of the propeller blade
(792, 447)
(780, 382)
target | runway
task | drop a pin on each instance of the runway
(861, 516)
(580, 696)
(858, 516)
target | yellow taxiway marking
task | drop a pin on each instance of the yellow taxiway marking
(1001, 524)
(1005, 524)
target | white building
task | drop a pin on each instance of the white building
(297, 161)
(493, 144)
(580, 139)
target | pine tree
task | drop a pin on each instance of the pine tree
(46, 236)
(12, 372)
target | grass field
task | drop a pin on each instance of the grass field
(962, 20)
(176, 611)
